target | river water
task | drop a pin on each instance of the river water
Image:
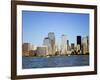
(55, 61)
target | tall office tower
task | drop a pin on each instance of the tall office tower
(63, 44)
(46, 42)
(51, 37)
(26, 47)
(68, 47)
(85, 45)
(79, 41)
(72, 46)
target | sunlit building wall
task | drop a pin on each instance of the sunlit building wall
(46, 42)
(42, 50)
(63, 44)
(26, 47)
(85, 45)
(51, 37)
(78, 49)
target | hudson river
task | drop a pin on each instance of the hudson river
(55, 61)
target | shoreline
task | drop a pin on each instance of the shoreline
(56, 56)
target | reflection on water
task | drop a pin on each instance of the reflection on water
(55, 61)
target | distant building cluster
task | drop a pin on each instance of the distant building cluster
(50, 48)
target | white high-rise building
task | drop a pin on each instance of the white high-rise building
(51, 37)
(63, 44)
(46, 42)
(85, 45)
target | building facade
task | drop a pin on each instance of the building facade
(51, 37)
(68, 47)
(85, 45)
(46, 42)
(79, 41)
(26, 47)
(63, 44)
(42, 51)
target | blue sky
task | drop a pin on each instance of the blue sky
(37, 25)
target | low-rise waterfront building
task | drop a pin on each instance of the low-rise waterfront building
(26, 47)
(42, 51)
(32, 53)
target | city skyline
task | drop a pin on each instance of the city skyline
(36, 25)
(64, 41)
(59, 44)
(49, 48)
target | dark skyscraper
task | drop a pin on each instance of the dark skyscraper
(79, 41)
(72, 46)
(67, 44)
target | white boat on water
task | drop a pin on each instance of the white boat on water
(47, 56)
(68, 54)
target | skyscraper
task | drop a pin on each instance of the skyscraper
(85, 45)
(63, 44)
(68, 47)
(79, 41)
(46, 42)
(51, 37)
(72, 46)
